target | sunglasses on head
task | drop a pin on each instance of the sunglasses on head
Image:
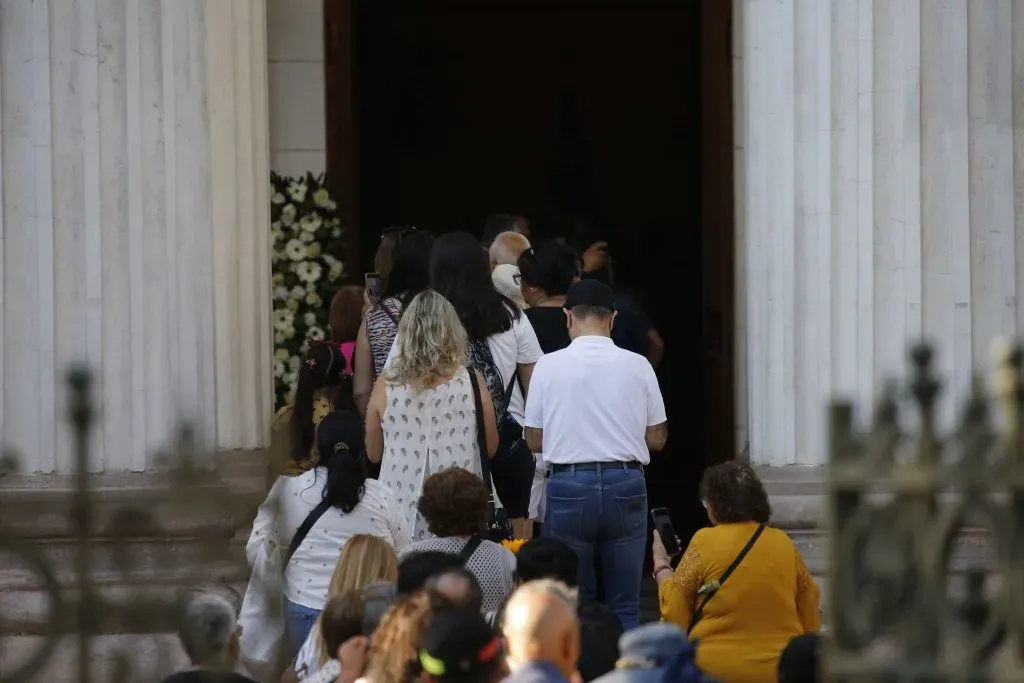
(400, 229)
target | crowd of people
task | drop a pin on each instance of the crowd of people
(457, 493)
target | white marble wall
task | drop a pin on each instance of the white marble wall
(133, 186)
(298, 134)
(880, 194)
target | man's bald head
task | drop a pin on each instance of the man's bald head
(540, 625)
(506, 248)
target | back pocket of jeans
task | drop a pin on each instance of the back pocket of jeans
(632, 513)
(564, 515)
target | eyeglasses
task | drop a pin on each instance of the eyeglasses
(517, 278)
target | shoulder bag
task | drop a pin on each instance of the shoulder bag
(467, 550)
(708, 590)
(499, 528)
(261, 619)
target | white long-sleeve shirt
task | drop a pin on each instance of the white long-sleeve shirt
(308, 574)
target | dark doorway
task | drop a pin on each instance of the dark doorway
(614, 112)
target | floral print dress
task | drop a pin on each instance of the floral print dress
(424, 433)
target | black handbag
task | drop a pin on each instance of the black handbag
(499, 528)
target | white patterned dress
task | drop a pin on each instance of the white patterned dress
(425, 433)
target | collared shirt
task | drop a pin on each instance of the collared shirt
(594, 402)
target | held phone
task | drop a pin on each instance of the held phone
(374, 290)
(663, 525)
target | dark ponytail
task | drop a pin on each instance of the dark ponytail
(339, 441)
(323, 366)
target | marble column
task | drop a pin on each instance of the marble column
(881, 192)
(134, 195)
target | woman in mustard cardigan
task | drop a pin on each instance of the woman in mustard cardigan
(741, 619)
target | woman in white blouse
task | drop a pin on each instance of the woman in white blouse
(357, 506)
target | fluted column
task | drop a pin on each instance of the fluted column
(880, 179)
(133, 142)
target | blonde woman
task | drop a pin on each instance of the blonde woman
(422, 415)
(365, 560)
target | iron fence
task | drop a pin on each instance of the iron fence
(106, 567)
(900, 609)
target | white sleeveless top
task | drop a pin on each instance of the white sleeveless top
(425, 433)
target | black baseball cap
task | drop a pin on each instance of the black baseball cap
(458, 645)
(590, 292)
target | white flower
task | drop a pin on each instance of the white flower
(277, 279)
(280, 293)
(297, 191)
(308, 271)
(288, 214)
(279, 338)
(288, 332)
(296, 250)
(311, 222)
(282, 355)
(276, 232)
(298, 292)
(314, 250)
(335, 272)
(293, 363)
(315, 333)
(276, 198)
(283, 319)
(322, 198)
(336, 232)
(277, 256)
(309, 317)
(307, 237)
(313, 299)
(278, 368)
(289, 380)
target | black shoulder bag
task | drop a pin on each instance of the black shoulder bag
(499, 528)
(708, 590)
(300, 534)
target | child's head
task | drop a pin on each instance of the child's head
(346, 314)
(322, 367)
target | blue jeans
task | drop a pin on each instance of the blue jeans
(300, 620)
(602, 515)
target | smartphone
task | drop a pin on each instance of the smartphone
(374, 290)
(663, 525)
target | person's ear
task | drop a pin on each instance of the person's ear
(568, 317)
(611, 321)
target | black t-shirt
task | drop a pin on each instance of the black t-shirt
(200, 676)
(631, 326)
(549, 324)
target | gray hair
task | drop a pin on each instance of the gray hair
(206, 628)
(430, 343)
(552, 587)
(506, 248)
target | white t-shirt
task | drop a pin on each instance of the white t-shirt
(308, 574)
(594, 402)
(516, 346)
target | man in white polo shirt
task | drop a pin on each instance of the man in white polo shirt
(595, 411)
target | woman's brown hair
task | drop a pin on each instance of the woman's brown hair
(394, 647)
(734, 493)
(383, 259)
(454, 503)
(346, 314)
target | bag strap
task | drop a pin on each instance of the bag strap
(467, 550)
(307, 524)
(708, 590)
(481, 440)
